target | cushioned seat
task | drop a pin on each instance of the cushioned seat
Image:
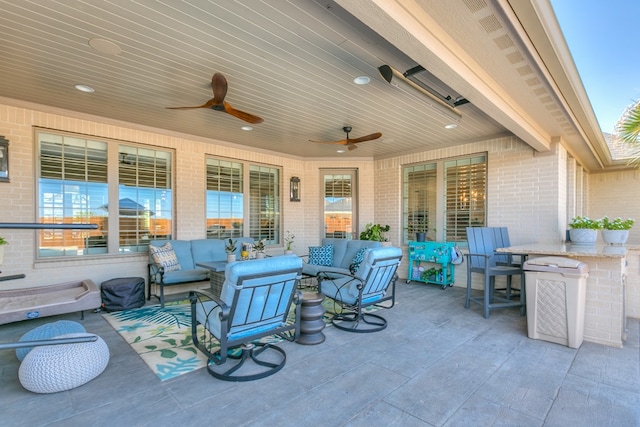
(54, 368)
(46, 331)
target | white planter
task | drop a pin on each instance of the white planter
(1, 254)
(259, 255)
(288, 252)
(583, 236)
(231, 257)
(615, 237)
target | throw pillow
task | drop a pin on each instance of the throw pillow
(165, 256)
(321, 255)
(357, 260)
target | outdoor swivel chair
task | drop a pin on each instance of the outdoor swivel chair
(255, 302)
(483, 259)
(369, 286)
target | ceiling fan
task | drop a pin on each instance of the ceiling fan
(219, 86)
(351, 143)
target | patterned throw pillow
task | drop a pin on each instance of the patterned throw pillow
(321, 255)
(165, 256)
(357, 260)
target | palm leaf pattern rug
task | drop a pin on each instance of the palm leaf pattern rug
(162, 336)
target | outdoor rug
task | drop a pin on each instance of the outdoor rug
(162, 336)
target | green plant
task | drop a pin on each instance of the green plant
(3, 241)
(585, 222)
(230, 247)
(288, 240)
(617, 224)
(374, 232)
(259, 245)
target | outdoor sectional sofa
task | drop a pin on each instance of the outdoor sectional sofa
(164, 270)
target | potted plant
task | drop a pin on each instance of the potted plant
(583, 230)
(616, 231)
(375, 232)
(418, 226)
(288, 242)
(230, 249)
(2, 243)
(259, 247)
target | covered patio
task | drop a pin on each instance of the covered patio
(436, 364)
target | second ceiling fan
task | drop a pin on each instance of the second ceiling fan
(350, 143)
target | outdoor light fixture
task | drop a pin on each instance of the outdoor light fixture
(397, 79)
(4, 159)
(295, 189)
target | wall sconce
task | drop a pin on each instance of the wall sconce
(4, 159)
(294, 196)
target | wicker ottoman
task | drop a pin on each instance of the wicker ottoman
(54, 368)
(46, 331)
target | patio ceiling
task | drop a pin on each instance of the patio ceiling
(293, 64)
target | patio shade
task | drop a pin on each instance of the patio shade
(128, 207)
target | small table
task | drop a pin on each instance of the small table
(311, 323)
(216, 274)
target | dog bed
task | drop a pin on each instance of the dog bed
(42, 301)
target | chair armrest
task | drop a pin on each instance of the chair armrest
(201, 296)
(156, 271)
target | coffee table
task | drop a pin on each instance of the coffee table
(216, 274)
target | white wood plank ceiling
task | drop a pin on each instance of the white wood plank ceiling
(290, 62)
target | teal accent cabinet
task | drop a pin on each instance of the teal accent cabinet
(430, 262)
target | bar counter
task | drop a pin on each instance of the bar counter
(605, 311)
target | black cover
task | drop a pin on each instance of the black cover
(123, 293)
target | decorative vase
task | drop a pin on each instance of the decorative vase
(615, 237)
(583, 236)
(420, 237)
(231, 257)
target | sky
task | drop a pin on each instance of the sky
(603, 39)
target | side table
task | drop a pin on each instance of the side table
(311, 323)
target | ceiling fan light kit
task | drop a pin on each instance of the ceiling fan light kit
(396, 79)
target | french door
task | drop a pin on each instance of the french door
(339, 203)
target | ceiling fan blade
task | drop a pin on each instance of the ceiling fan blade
(208, 104)
(341, 142)
(366, 138)
(351, 146)
(219, 86)
(250, 118)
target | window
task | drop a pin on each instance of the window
(227, 214)
(463, 182)
(465, 186)
(225, 199)
(419, 200)
(74, 188)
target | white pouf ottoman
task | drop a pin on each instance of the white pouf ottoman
(54, 368)
(46, 331)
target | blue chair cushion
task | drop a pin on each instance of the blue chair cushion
(321, 255)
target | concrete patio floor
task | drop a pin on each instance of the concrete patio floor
(436, 364)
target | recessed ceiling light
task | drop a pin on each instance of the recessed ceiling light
(361, 80)
(105, 46)
(84, 88)
(340, 151)
(451, 126)
(246, 128)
